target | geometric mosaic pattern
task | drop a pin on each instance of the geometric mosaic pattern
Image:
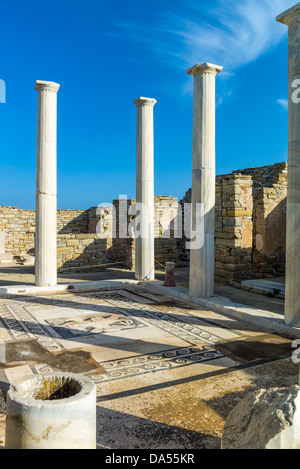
(20, 324)
(134, 366)
(97, 314)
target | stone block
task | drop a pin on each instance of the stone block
(26, 259)
(72, 242)
(239, 213)
(265, 419)
(6, 258)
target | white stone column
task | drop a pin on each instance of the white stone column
(201, 282)
(46, 185)
(291, 18)
(144, 228)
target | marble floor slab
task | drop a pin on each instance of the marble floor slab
(140, 348)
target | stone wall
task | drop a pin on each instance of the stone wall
(269, 220)
(165, 251)
(250, 227)
(73, 221)
(121, 247)
(80, 252)
(78, 242)
(19, 227)
(234, 228)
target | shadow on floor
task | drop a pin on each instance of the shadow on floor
(24, 275)
(118, 430)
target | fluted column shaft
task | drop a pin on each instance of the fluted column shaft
(144, 243)
(46, 185)
(201, 282)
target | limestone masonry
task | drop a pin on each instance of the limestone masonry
(250, 223)
(249, 229)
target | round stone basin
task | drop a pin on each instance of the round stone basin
(52, 411)
(50, 388)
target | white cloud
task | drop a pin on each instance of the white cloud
(283, 103)
(233, 33)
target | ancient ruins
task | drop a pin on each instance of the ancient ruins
(177, 351)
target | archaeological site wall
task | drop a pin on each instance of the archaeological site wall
(250, 226)
(80, 252)
(89, 238)
(19, 227)
(122, 244)
(249, 229)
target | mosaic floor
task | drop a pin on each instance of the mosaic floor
(159, 366)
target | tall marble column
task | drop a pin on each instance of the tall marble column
(46, 185)
(144, 243)
(291, 18)
(201, 282)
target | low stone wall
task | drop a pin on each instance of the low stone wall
(80, 252)
(122, 249)
(73, 221)
(234, 228)
(78, 243)
(19, 227)
(76, 248)
(250, 226)
(269, 220)
(165, 251)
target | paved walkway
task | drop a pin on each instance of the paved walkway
(24, 275)
(167, 373)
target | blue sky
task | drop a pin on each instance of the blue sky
(105, 54)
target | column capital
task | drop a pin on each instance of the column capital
(47, 86)
(202, 69)
(141, 102)
(290, 15)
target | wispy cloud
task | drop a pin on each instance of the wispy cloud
(233, 33)
(283, 103)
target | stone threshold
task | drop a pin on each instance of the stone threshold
(265, 287)
(64, 287)
(267, 319)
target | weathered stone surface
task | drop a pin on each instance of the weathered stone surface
(291, 18)
(265, 419)
(203, 180)
(258, 240)
(27, 259)
(144, 256)
(77, 252)
(51, 411)
(170, 275)
(46, 185)
(250, 222)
